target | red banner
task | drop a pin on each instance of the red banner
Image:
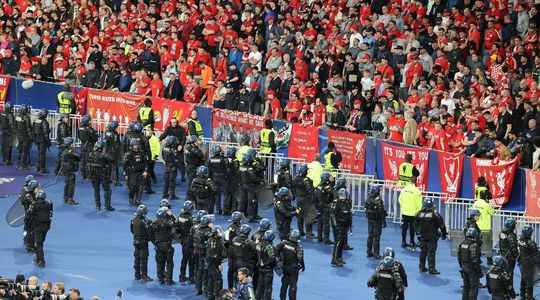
(393, 156)
(352, 147)
(227, 125)
(451, 172)
(532, 193)
(304, 142)
(165, 110)
(4, 85)
(108, 105)
(499, 176)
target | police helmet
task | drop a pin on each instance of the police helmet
(43, 113)
(188, 205)
(325, 177)
(112, 125)
(98, 146)
(216, 151)
(231, 152)
(389, 251)
(340, 183)
(8, 107)
(137, 127)
(161, 212)
(269, 236)
(28, 178)
(202, 171)
(164, 203)
(205, 220)
(236, 216)
(473, 213)
(510, 224)
(282, 192)
(499, 261)
(142, 210)
(245, 229)
(265, 224)
(196, 217)
(302, 170)
(526, 232)
(68, 141)
(191, 139)
(294, 235)
(41, 195)
(170, 141)
(131, 126)
(284, 164)
(428, 204)
(33, 184)
(375, 189)
(202, 213)
(85, 120)
(471, 233)
(387, 263)
(342, 193)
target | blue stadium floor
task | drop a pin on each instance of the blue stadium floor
(93, 251)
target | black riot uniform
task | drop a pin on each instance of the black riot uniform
(469, 252)
(70, 165)
(266, 262)
(113, 148)
(242, 251)
(508, 246)
(528, 251)
(215, 254)
(40, 213)
(283, 178)
(140, 228)
(99, 171)
(499, 282)
(203, 190)
(171, 157)
(27, 196)
(193, 158)
(376, 215)
(325, 197)
(200, 241)
(342, 214)
(340, 183)
(162, 236)
(251, 176)
(290, 256)
(135, 135)
(232, 173)
(429, 228)
(135, 166)
(63, 130)
(304, 192)
(88, 137)
(400, 276)
(217, 168)
(184, 224)
(384, 280)
(23, 132)
(284, 211)
(231, 232)
(7, 131)
(41, 131)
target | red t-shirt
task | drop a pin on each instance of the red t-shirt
(440, 140)
(318, 114)
(396, 135)
(293, 116)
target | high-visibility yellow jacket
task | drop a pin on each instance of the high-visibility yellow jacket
(155, 146)
(315, 170)
(486, 212)
(265, 141)
(410, 200)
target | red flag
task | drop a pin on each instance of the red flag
(108, 105)
(451, 172)
(352, 147)
(532, 193)
(165, 110)
(393, 156)
(499, 176)
(228, 124)
(4, 85)
(304, 142)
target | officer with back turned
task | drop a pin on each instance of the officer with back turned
(266, 262)
(217, 167)
(113, 148)
(27, 197)
(471, 222)
(162, 236)
(429, 228)
(508, 246)
(376, 215)
(284, 211)
(400, 275)
(63, 130)
(470, 264)
(231, 232)
(133, 135)
(88, 137)
(146, 114)
(40, 213)
(135, 163)
(215, 254)
(250, 178)
(184, 223)
(283, 177)
(140, 228)
(193, 158)
(70, 165)
(257, 238)
(325, 197)
(99, 171)
(242, 252)
(303, 192)
(7, 131)
(384, 280)
(232, 174)
(197, 216)
(341, 212)
(290, 255)
(200, 242)
(407, 171)
(410, 203)
(23, 132)
(203, 190)
(499, 281)
(41, 131)
(528, 251)
(170, 155)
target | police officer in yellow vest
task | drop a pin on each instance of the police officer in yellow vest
(315, 170)
(482, 196)
(410, 203)
(332, 159)
(194, 126)
(146, 114)
(244, 147)
(267, 138)
(66, 102)
(407, 171)
(155, 150)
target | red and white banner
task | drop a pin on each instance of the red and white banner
(499, 176)
(228, 124)
(352, 147)
(532, 193)
(394, 156)
(4, 85)
(451, 172)
(304, 142)
(165, 110)
(108, 105)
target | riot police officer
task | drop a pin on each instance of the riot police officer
(140, 228)
(429, 227)
(113, 148)
(283, 177)
(203, 190)
(471, 222)
(342, 214)
(384, 280)
(184, 223)
(217, 167)
(7, 130)
(251, 178)
(256, 237)
(266, 262)
(376, 215)
(70, 165)
(134, 135)
(400, 275)
(23, 132)
(230, 234)
(528, 250)
(162, 233)
(469, 263)
(508, 246)
(195, 255)
(284, 211)
(303, 192)
(499, 281)
(325, 197)
(99, 171)
(63, 130)
(200, 242)
(290, 255)
(233, 180)
(135, 164)
(242, 252)
(88, 137)
(41, 131)
(27, 197)
(193, 158)
(215, 254)
(40, 213)
(170, 155)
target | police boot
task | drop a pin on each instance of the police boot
(146, 278)
(336, 263)
(434, 271)
(40, 263)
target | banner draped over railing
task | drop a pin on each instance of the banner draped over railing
(304, 142)
(499, 176)
(451, 172)
(393, 156)
(532, 193)
(4, 85)
(352, 147)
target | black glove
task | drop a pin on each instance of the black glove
(443, 237)
(384, 224)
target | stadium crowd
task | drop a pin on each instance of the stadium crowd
(459, 76)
